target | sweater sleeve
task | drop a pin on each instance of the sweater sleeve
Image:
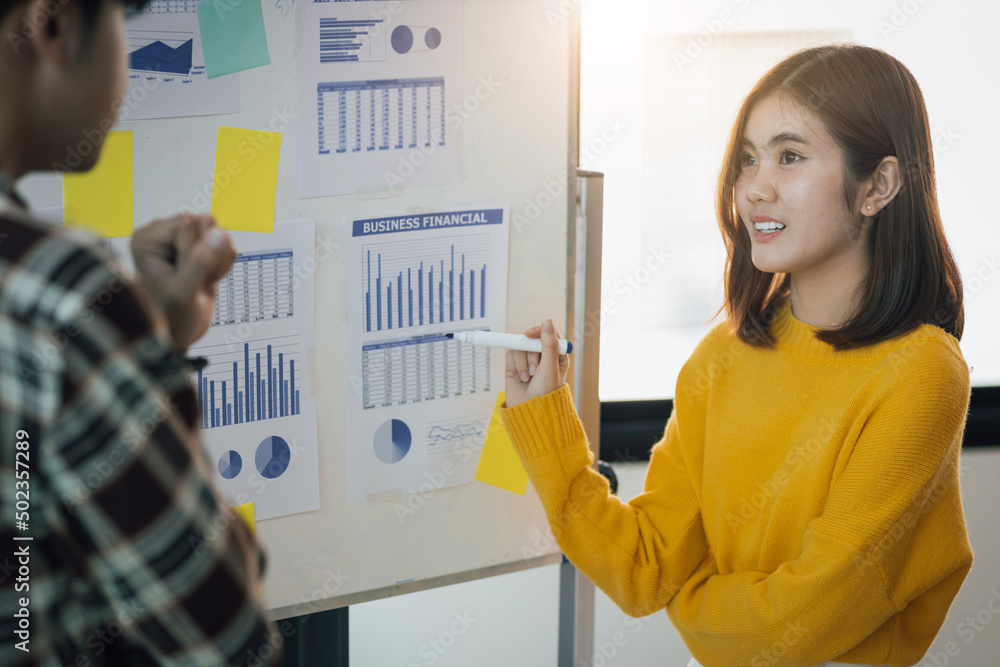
(891, 539)
(640, 553)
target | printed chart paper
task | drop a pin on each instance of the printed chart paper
(418, 403)
(376, 82)
(258, 412)
(166, 66)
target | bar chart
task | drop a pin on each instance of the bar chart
(258, 287)
(424, 368)
(249, 382)
(351, 40)
(362, 116)
(416, 283)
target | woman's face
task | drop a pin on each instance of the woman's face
(792, 173)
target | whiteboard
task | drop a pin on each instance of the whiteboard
(517, 148)
(514, 141)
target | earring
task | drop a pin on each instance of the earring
(869, 207)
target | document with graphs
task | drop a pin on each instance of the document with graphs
(418, 403)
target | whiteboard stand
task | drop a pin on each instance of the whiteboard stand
(576, 592)
(317, 639)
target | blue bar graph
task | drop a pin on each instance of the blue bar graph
(246, 396)
(403, 297)
(350, 41)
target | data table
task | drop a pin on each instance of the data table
(356, 116)
(258, 287)
(422, 368)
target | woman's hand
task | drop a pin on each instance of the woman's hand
(530, 374)
(180, 262)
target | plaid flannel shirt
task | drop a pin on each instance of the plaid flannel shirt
(131, 559)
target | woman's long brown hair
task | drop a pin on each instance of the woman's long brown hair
(872, 106)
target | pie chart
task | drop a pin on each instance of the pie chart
(432, 38)
(392, 441)
(401, 39)
(273, 456)
(230, 464)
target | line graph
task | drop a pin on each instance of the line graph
(451, 434)
(438, 435)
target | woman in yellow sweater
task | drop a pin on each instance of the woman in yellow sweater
(803, 506)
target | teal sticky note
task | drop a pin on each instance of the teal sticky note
(232, 35)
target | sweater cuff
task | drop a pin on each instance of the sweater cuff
(545, 425)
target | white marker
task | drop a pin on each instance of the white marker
(507, 341)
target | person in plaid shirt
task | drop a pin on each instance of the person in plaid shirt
(114, 547)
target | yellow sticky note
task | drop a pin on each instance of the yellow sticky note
(246, 179)
(499, 464)
(245, 512)
(100, 200)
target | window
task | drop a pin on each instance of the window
(660, 86)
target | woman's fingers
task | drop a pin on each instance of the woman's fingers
(534, 358)
(520, 360)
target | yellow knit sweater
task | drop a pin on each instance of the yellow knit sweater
(802, 506)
